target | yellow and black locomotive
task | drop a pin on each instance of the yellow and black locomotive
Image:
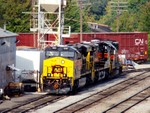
(68, 67)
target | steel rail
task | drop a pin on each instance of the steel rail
(33, 104)
(137, 94)
(105, 93)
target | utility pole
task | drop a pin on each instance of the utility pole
(60, 23)
(34, 21)
(118, 13)
(81, 4)
(81, 19)
(118, 6)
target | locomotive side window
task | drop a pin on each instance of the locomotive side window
(77, 56)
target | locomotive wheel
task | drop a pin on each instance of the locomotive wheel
(88, 80)
(102, 75)
(96, 77)
(117, 71)
(107, 74)
(75, 87)
(120, 70)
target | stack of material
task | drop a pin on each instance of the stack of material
(14, 88)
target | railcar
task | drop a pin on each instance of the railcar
(132, 45)
(68, 67)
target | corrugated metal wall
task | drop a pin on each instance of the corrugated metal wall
(7, 57)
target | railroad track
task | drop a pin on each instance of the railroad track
(37, 103)
(112, 92)
(33, 104)
(128, 103)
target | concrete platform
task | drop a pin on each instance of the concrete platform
(136, 66)
(142, 66)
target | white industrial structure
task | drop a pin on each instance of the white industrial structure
(29, 59)
(48, 18)
(30, 63)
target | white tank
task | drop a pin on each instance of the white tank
(29, 59)
(29, 76)
(51, 5)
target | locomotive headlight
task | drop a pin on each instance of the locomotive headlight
(65, 75)
(48, 74)
(62, 61)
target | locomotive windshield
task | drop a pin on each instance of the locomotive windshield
(67, 54)
(62, 51)
(52, 53)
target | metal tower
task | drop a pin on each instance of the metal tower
(50, 20)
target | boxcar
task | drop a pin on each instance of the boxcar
(132, 45)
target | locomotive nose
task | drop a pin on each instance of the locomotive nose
(56, 85)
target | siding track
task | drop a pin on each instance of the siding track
(111, 93)
(33, 104)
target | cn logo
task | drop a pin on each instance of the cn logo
(139, 42)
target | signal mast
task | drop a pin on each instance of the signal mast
(48, 18)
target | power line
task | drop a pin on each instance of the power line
(118, 6)
(80, 1)
(81, 4)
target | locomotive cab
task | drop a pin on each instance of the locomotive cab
(115, 66)
(62, 51)
(86, 51)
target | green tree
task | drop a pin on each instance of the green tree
(2, 11)
(98, 8)
(109, 17)
(144, 17)
(13, 16)
(134, 5)
(128, 22)
(72, 17)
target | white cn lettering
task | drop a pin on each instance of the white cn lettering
(139, 41)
